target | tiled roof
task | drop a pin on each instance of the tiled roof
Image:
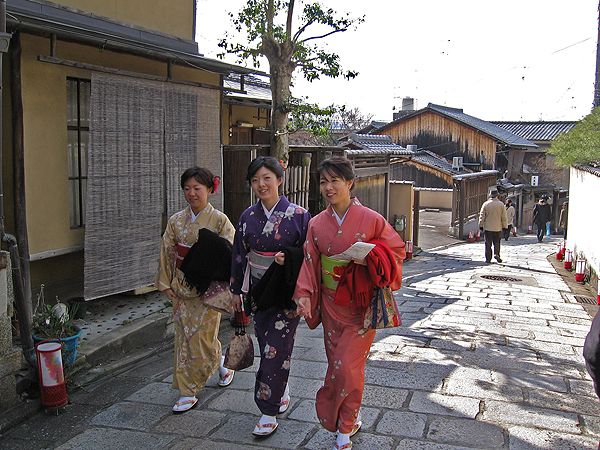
(593, 168)
(373, 144)
(500, 134)
(487, 127)
(434, 160)
(537, 131)
(256, 88)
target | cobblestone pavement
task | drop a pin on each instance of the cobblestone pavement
(479, 363)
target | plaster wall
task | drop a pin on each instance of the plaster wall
(401, 204)
(584, 217)
(174, 17)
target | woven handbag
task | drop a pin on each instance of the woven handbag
(382, 312)
(240, 351)
(218, 297)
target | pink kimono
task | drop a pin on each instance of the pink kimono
(339, 399)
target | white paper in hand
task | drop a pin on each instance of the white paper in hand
(357, 252)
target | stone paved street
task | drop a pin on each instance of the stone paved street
(479, 363)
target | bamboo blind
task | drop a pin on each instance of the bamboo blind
(143, 134)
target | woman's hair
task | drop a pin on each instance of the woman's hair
(337, 165)
(508, 202)
(201, 175)
(268, 162)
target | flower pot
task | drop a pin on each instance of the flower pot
(69, 345)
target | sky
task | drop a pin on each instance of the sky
(497, 60)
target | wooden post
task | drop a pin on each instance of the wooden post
(461, 209)
(19, 167)
(416, 207)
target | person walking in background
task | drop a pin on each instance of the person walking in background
(492, 221)
(197, 348)
(335, 292)
(510, 218)
(267, 232)
(541, 216)
(563, 218)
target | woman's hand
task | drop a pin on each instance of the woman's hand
(280, 258)
(170, 294)
(303, 307)
(236, 302)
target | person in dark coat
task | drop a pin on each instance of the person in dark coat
(591, 353)
(542, 214)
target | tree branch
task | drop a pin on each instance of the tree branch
(323, 35)
(302, 29)
(270, 15)
(288, 26)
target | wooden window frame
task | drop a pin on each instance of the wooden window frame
(79, 221)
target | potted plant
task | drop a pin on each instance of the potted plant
(55, 323)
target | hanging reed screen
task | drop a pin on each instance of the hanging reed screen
(143, 134)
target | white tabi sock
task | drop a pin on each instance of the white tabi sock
(267, 419)
(222, 370)
(342, 438)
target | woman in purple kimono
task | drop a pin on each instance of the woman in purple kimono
(265, 229)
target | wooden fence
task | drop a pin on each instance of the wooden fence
(301, 185)
(469, 193)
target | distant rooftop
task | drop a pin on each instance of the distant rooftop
(496, 132)
(256, 88)
(373, 144)
(434, 160)
(537, 131)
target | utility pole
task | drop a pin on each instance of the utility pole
(597, 82)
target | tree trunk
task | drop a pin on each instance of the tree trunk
(281, 77)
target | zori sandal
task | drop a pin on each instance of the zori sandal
(356, 427)
(284, 405)
(227, 379)
(184, 404)
(265, 429)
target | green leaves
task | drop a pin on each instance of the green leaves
(261, 21)
(310, 116)
(580, 145)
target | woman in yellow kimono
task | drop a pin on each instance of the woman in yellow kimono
(197, 347)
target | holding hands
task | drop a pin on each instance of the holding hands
(303, 307)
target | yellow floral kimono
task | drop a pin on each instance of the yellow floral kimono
(197, 347)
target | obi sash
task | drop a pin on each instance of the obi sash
(258, 263)
(332, 271)
(181, 250)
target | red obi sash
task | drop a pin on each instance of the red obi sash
(181, 250)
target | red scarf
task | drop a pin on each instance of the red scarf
(358, 281)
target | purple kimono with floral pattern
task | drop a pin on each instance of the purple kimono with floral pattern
(275, 329)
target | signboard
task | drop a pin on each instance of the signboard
(535, 180)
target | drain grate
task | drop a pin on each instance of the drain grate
(501, 278)
(584, 299)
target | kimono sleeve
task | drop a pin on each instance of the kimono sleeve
(226, 229)
(239, 253)
(166, 263)
(386, 233)
(309, 278)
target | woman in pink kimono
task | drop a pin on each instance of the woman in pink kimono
(343, 223)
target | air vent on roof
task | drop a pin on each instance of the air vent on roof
(457, 162)
(411, 147)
